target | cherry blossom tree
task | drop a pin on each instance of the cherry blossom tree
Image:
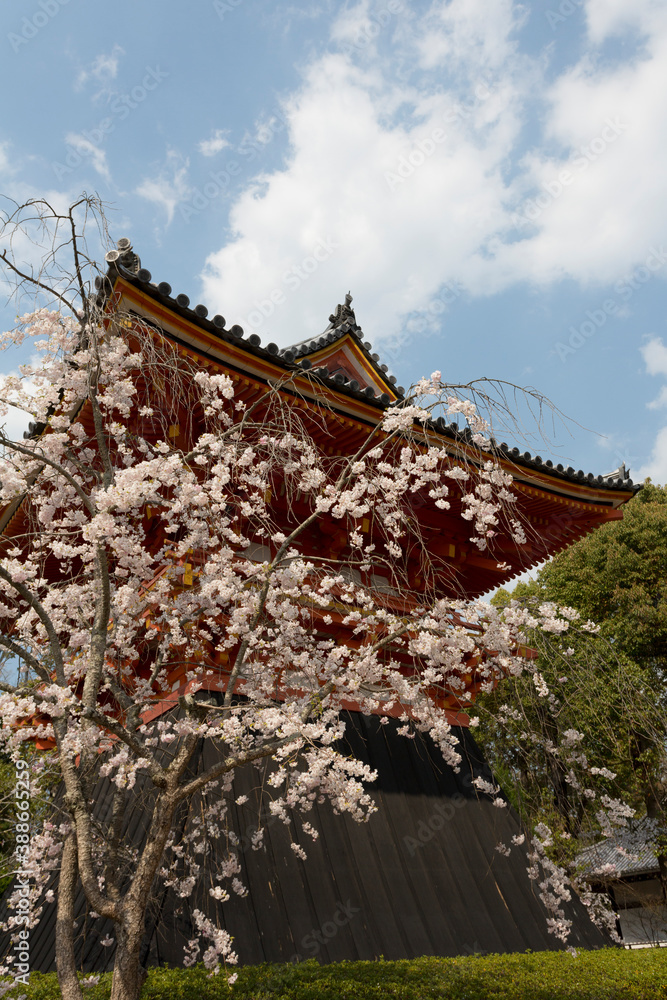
(130, 558)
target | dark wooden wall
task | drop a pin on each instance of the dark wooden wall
(422, 877)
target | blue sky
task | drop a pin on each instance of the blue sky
(486, 177)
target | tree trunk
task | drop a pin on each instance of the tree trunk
(128, 975)
(65, 960)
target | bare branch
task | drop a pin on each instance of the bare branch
(41, 613)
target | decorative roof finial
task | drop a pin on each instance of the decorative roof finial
(344, 313)
(620, 473)
(124, 255)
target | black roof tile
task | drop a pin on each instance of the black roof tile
(631, 851)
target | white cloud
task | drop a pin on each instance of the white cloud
(217, 142)
(453, 31)
(656, 467)
(660, 401)
(85, 147)
(170, 186)
(15, 423)
(606, 18)
(410, 212)
(654, 354)
(373, 185)
(103, 69)
(356, 27)
(4, 158)
(351, 22)
(608, 120)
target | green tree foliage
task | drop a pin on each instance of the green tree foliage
(41, 807)
(616, 694)
(7, 781)
(618, 577)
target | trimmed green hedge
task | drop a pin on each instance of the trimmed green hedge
(611, 974)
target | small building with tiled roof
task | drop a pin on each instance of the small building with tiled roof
(626, 868)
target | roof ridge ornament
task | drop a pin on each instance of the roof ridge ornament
(124, 255)
(621, 473)
(343, 313)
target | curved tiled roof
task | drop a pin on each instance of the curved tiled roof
(290, 358)
(631, 852)
(342, 322)
(619, 479)
(125, 263)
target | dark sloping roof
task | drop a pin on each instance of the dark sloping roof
(125, 263)
(289, 358)
(630, 852)
(421, 877)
